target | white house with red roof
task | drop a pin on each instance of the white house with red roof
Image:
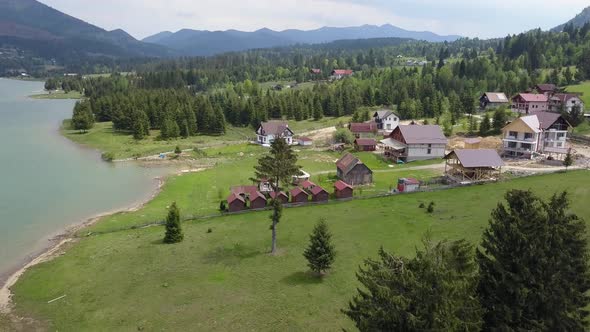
(528, 103)
(341, 73)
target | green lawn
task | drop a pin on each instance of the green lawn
(122, 144)
(582, 88)
(225, 280)
(59, 95)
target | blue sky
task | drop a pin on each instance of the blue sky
(472, 18)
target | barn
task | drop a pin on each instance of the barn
(365, 144)
(318, 194)
(281, 196)
(257, 200)
(351, 170)
(236, 203)
(299, 195)
(342, 190)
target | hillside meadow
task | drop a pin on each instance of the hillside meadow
(222, 278)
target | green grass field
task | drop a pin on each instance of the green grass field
(225, 280)
(59, 95)
(103, 138)
(582, 88)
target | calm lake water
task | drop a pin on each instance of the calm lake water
(48, 183)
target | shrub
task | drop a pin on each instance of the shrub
(177, 150)
(430, 208)
(108, 156)
(422, 205)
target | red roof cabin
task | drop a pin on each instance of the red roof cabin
(299, 195)
(341, 73)
(546, 89)
(528, 103)
(281, 196)
(363, 130)
(307, 185)
(342, 190)
(315, 71)
(407, 185)
(236, 203)
(365, 144)
(318, 194)
(257, 200)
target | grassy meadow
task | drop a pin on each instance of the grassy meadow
(122, 144)
(58, 95)
(222, 278)
(582, 88)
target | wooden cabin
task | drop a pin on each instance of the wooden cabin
(472, 165)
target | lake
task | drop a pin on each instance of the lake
(48, 183)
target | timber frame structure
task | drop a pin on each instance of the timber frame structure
(473, 165)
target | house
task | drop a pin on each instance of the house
(269, 131)
(414, 142)
(386, 120)
(264, 186)
(546, 89)
(342, 190)
(528, 103)
(473, 165)
(472, 143)
(257, 200)
(363, 130)
(299, 195)
(542, 132)
(315, 71)
(565, 102)
(351, 170)
(281, 196)
(341, 73)
(318, 194)
(492, 100)
(365, 144)
(305, 141)
(407, 185)
(236, 203)
(307, 185)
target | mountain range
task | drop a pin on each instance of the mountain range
(578, 21)
(202, 42)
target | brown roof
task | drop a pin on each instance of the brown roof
(347, 162)
(307, 184)
(254, 195)
(365, 142)
(342, 72)
(297, 191)
(362, 127)
(274, 127)
(564, 97)
(532, 97)
(477, 158)
(427, 134)
(547, 119)
(317, 190)
(305, 139)
(233, 197)
(341, 185)
(546, 87)
(243, 189)
(273, 194)
(496, 97)
(316, 70)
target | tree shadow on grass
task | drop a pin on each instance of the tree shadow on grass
(230, 255)
(302, 278)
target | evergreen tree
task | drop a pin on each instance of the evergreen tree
(484, 126)
(320, 254)
(83, 118)
(434, 291)
(569, 160)
(533, 266)
(499, 120)
(173, 229)
(279, 165)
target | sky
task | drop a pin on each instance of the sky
(470, 18)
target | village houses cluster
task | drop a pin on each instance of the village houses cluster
(540, 129)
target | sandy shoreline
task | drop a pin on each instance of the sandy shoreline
(57, 244)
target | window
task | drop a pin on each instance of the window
(429, 149)
(513, 134)
(560, 135)
(512, 145)
(394, 119)
(526, 146)
(559, 145)
(528, 136)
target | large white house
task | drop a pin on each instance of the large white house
(542, 132)
(415, 142)
(565, 101)
(386, 120)
(271, 130)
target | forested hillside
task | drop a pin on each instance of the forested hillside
(209, 91)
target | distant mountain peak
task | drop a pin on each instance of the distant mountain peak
(578, 21)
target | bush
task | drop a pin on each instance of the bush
(422, 205)
(177, 150)
(343, 136)
(108, 156)
(430, 208)
(222, 206)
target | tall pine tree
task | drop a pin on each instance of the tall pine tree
(320, 254)
(173, 229)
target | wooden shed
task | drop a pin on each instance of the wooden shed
(236, 203)
(299, 195)
(284, 198)
(365, 144)
(318, 194)
(342, 190)
(257, 200)
(351, 170)
(473, 165)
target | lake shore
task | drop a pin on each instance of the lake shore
(56, 246)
